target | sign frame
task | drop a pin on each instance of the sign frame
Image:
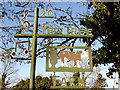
(65, 69)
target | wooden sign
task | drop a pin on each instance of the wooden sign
(78, 60)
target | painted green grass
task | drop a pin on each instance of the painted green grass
(70, 68)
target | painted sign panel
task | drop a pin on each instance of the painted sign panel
(68, 59)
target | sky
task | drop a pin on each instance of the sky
(24, 69)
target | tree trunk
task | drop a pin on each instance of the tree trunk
(3, 80)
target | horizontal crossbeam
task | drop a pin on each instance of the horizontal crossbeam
(53, 36)
(23, 35)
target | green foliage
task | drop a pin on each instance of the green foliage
(23, 84)
(43, 83)
(106, 30)
(20, 84)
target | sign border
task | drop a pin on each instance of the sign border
(68, 69)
